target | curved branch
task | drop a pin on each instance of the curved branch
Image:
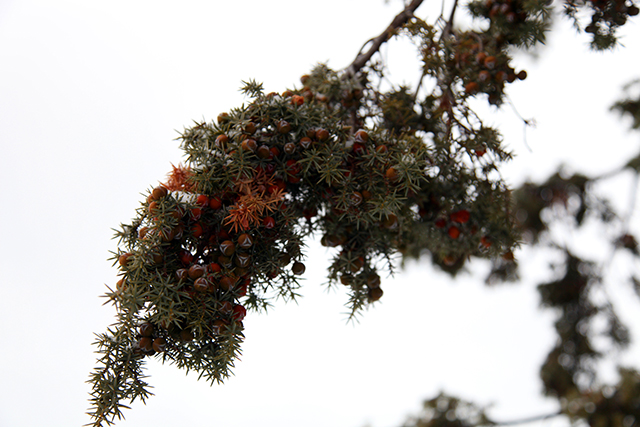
(398, 21)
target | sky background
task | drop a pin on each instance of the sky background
(92, 97)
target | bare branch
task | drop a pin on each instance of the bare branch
(376, 42)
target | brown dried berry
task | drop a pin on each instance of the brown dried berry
(159, 344)
(289, 148)
(195, 271)
(374, 294)
(159, 192)
(361, 136)
(322, 134)
(201, 284)
(305, 142)
(227, 247)
(283, 126)
(146, 329)
(249, 145)
(298, 268)
(245, 241)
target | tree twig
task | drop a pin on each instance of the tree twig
(528, 420)
(398, 21)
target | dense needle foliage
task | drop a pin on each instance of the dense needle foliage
(375, 174)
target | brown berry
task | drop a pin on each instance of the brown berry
(391, 174)
(195, 271)
(159, 192)
(223, 118)
(298, 268)
(361, 136)
(249, 145)
(227, 247)
(374, 294)
(322, 134)
(146, 329)
(283, 126)
(201, 284)
(145, 344)
(159, 344)
(245, 241)
(305, 142)
(471, 87)
(289, 148)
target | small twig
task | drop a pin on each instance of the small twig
(398, 21)
(449, 24)
(528, 420)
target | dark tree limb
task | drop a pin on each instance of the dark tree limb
(378, 41)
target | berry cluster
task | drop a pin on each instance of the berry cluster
(606, 17)
(225, 232)
(485, 70)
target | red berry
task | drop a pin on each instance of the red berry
(441, 223)
(196, 213)
(485, 241)
(197, 230)
(215, 268)
(461, 216)
(269, 222)
(454, 232)
(215, 203)
(239, 312)
(185, 257)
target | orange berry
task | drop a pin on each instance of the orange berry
(391, 174)
(249, 145)
(159, 192)
(471, 87)
(322, 134)
(490, 62)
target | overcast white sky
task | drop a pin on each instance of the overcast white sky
(92, 94)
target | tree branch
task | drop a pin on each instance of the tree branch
(528, 420)
(398, 21)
